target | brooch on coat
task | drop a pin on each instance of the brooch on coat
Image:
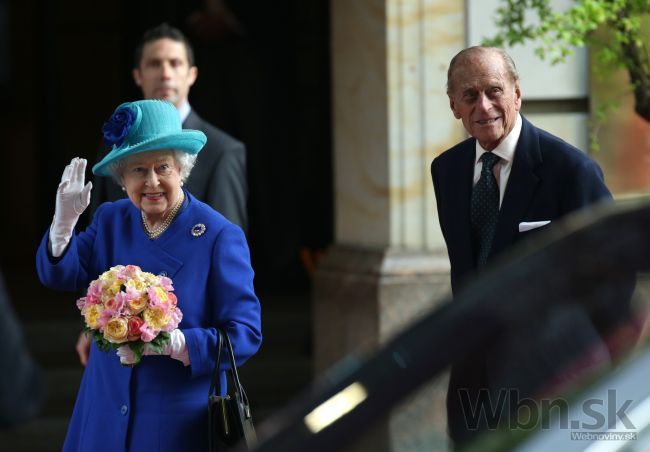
(198, 230)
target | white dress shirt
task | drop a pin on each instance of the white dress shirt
(505, 150)
(184, 111)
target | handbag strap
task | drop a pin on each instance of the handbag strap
(233, 366)
(224, 341)
(216, 380)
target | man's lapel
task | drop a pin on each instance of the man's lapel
(193, 121)
(520, 189)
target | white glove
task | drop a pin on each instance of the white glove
(176, 349)
(127, 357)
(72, 198)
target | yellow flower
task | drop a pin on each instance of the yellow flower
(162, 293)
(149, 278)
(155, 318)
(137, 284)
(92, 314)
(113, 289)
(110, 275)
(116, 330)
(136, 306)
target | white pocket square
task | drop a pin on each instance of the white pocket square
(528, 225)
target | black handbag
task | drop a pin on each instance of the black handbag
(230, 420)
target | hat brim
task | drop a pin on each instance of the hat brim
(190, 141)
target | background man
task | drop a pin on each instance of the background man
(508, 177)
(164, 69)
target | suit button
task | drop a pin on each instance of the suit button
(124, 409)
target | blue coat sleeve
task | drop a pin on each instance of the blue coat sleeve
(233, 302)
(70, 271)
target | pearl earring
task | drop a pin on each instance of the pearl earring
(123, 189)
(182, 183)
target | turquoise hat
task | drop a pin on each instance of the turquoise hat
(146, 125)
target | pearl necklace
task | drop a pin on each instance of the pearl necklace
(154, 233)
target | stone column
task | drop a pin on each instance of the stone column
(388, 265)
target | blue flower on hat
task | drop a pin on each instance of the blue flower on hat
(118, 126)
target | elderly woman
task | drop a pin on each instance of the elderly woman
(161, 403)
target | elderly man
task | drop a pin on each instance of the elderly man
(509, 177)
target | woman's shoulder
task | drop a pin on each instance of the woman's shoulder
(203, 214)
(120, 206)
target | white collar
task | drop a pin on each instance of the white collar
(505, 149)
(184, 111)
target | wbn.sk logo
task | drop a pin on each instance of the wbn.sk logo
(491, 411)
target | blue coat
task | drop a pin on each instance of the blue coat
(159, 405)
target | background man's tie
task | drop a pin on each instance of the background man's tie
(485, 208)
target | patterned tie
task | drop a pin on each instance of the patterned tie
(485, 208)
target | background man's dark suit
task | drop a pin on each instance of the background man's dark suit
(549, 179)
(218, 177)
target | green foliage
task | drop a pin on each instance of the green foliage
(598, 117)
(137, 347)
(157, 345)
(559, 33)
(159, 342)
(102, 343)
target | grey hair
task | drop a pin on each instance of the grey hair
(469, 52)
(184, 160)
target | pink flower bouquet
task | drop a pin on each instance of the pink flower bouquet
(128, 306)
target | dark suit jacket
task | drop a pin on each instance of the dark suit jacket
(218, 177)
(549, 179)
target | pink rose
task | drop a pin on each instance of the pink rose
(91, 299)
(103, 319)
(132, 293)
(95, 290)
(176, 318)
(115, 305)
(135, 323)
(147, 334)
(128, 272)
(153, 296)
(166, 283)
